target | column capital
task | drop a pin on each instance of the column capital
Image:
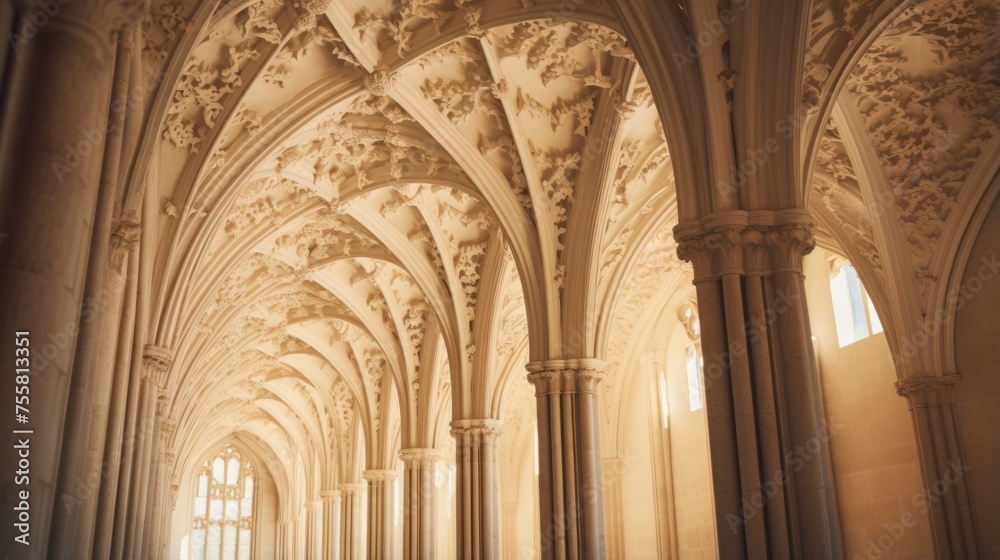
(124, 238)
(929, 390)
(313, 507)
(379, 475)
(566, 376)
(741, 242)
(329, 496)
(477, 426)
(418, 457)
(156, 361)
(350, 488)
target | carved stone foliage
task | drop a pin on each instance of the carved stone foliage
(833, 26)
(550, 47)
(163, 24)
(927, 91)
(656, 263)
(399, 23)
(313, 36)
(365, 142)
(837, 190)
(215, 71)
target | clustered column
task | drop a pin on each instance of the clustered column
(477, 488)
(61, 84)
(330, 523)
(931, 401)
(419, 507)
(314, 546)
(767, 439)
(351, 546)
(510, 531)
(571, 511)
(380, 504)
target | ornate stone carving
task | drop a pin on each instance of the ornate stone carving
(156, 362)
(930, 116)
(723, 242)
(381, 82)
(929, 390)
(124, 239)
(566, 376)
(376, 476)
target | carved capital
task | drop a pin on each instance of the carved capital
(420, 458)
(566, 376)
(379, 476)
(351, 489)
(124, 238)
(314, 507)
(167, 428)
(787, 246)
(156, 362)
(480, 431)
(329, 496)
(929, 390)
(381, 82)
(746, 243)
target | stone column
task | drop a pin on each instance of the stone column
(161, 508)
(281, 536)
(770, 463)
(612, 468)
(139, 501)
(331, 524)
(59, 90)
(351, 545)
(113, 455)
(138, 432)
(314, 535)
(509, 524)
(380, 503)
(419, 503)
(477, 483)
(931, 401)
(571, 511)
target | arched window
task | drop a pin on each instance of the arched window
(223, 508)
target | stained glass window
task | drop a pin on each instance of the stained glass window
(223, 508)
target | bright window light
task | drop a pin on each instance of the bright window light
(696, 392)
(853, 311)
(536, 449)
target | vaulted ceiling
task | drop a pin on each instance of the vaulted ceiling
(365, 208)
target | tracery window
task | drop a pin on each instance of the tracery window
(223, 508)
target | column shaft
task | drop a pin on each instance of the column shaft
(569, 449)
(771, 474)
(478, 488)
(931, 401)
(380, 506)
(330, 524)
(351, 546)
(60, 83)
(419, 503)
